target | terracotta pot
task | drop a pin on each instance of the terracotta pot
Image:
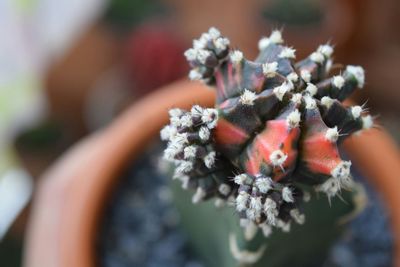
(73, 193)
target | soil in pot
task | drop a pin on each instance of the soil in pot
(141, 226)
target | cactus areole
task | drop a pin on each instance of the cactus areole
(274, 131)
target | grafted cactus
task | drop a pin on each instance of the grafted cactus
(274, 131)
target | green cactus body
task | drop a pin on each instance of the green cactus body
(274, 131)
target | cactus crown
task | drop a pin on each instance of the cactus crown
(274, 131)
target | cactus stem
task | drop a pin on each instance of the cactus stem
(297, 216)
(244, 256)
(224, 189)
(199, 195)
(219, 202)
(266, 229)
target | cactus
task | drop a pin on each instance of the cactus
(272, 139)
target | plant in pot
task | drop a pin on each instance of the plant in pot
(270, 179)
(269, 146)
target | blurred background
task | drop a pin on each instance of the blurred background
(67, 68)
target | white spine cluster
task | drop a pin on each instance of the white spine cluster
(195, 75)
(358, 73)
(281, 90)
(287, 195)
(270, 69)
(242, 179)
(293, 119)
(311, 89)
(209, 159)
(277, 158)
(296, 98)
(274, 38)
(222, 43)
(305, 75)
(332, 134)
(208, 46)
(287, 52)
(367, 122)
(271, 211)
(330, 187)
(248, 97)
(236, 57)
(264, 184)
(341, 178)
(310, 102)
(317, 57)
(356, 111)
(293, 77)
(326, 50)
(327, 101)
(241, 201)
(338, 81)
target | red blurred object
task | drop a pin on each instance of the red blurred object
(154, 58)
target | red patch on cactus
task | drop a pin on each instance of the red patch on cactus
(320, 155)
(227, 133)
(276, 136)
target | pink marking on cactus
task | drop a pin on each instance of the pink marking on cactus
(253, 163)
(237, 75)
(227, 133)
(230, 75)
(224, 104)
(276, 136)
(257, 82)
(320, 155)
(221, 89)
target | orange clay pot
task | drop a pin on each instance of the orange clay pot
(71, 197)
